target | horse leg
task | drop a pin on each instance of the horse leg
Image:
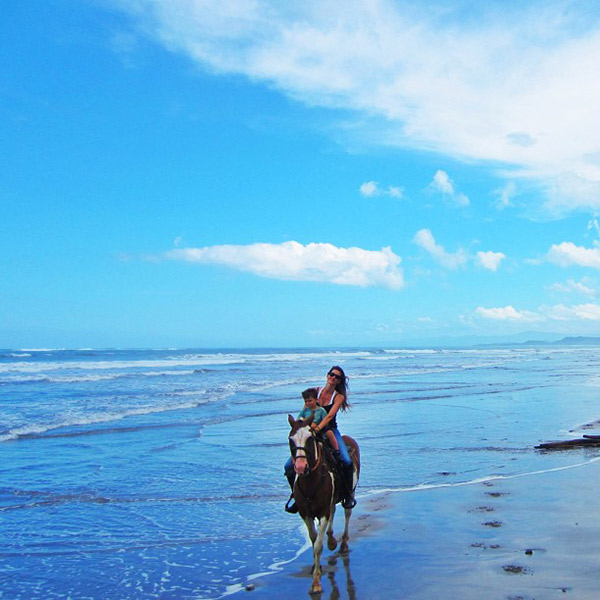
(317, 588)
(310, 526)
(345, 537)
(331, 541)
(355, 456)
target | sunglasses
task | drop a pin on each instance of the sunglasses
(330, 374)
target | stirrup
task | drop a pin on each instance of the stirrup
(290, 506)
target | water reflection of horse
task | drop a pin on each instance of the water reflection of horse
(317, 489)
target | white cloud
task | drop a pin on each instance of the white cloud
(515, 83)
(370, 189)
(507, 313)
(296, 262)
(490, 260)
(558, 312)
(571, 286)
(505, 195)
(594, 226)
(395, 192)
(424, 238)
(485, 259)
(580, 312)
(567, 254)
(442, 183)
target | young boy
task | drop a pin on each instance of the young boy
(311, 406)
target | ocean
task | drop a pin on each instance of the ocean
(159, 473)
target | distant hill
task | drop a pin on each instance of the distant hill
(566, 341)
(530, 338)
(579, 341)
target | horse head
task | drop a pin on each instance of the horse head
(303, 445)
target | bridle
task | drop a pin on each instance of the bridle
(295, 449)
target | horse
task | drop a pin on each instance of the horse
(317, 490)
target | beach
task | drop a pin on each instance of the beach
(528, 537)
(159, 474)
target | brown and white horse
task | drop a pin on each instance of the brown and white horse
(316, 490)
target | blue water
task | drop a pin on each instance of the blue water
(158, 473)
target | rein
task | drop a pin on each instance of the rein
(319, 455)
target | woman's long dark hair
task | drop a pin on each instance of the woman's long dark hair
(342, 387)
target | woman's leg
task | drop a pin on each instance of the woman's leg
(343, 450)
(332, 439)
(347, 472)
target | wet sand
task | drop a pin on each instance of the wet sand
(527, 537)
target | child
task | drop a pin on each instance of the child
(312, 407)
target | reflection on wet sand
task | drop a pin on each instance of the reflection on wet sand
(331, 575)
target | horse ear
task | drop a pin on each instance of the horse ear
(291, 421)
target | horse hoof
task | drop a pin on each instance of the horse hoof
(331, 543)
(344, 548)
(316, 589)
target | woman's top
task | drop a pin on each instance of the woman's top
(333, 422)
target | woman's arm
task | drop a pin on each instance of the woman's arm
(338, 401)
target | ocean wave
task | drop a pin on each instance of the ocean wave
(16, 379)
(187, 360)
(276, 356)
(401, 369)
(412, 351)
(40, 429)
(43, 349)
(44, 378)
(36, 499)
(117, 365)
(383, 357)
(273, 568)
(485, 478)
(199, 361)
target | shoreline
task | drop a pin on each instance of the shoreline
(527, 536)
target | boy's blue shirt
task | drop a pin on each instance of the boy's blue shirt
(320, 414)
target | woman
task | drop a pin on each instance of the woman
(333, 396)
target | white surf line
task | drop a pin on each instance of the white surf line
(432, 486)
(272, 569)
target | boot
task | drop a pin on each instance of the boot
(348, 475)
(290, 505)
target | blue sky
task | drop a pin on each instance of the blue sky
(265, 173)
